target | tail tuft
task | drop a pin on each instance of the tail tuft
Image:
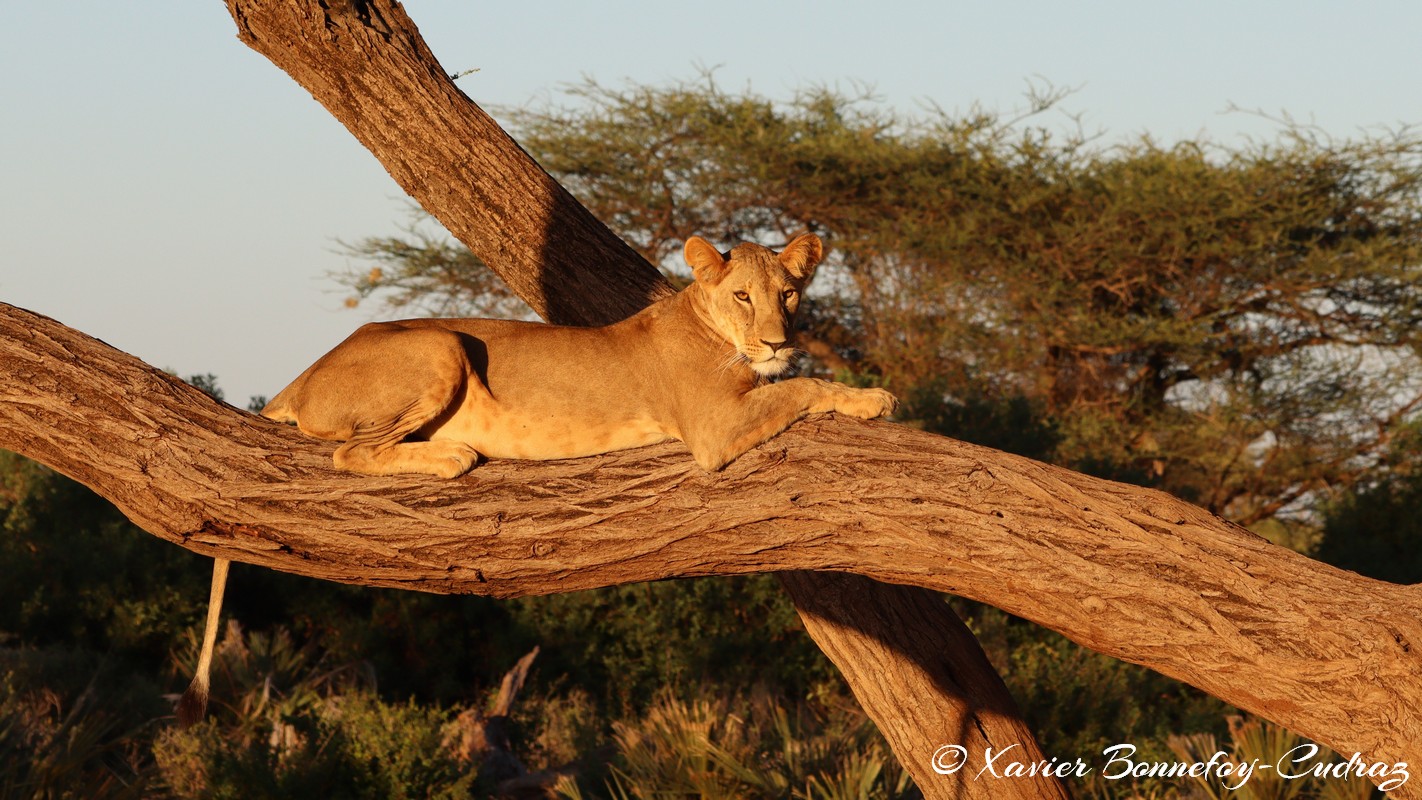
(193, 704)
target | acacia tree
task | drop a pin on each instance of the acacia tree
(1237, 326)
(1129, 572)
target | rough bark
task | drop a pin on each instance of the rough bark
(1130, 572)
(367, 63)
(860, 624)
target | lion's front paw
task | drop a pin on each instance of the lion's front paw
(867, 403)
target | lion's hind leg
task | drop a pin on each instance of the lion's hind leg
(379, 387)
(382, 450)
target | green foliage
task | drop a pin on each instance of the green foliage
(283, 723)
(626, 643)
(1016, 424)
(70, 727)
(754, 748)
(1260, 742)
(424, 273)
(207, 383)
(430, 648)
(561, 727)
(621, 645)
(78, 573)
(349, 746)
(1375, 530)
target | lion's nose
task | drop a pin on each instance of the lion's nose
(774, 346)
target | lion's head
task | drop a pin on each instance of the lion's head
(752, 294)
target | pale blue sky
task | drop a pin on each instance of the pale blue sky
(168, 190)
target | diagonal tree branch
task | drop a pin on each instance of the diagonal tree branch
(368, 65)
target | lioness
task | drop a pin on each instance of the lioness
(430, 396)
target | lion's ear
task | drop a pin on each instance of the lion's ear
(705, 260)
(801, 256)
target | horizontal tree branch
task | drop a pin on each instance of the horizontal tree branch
(1126, 571)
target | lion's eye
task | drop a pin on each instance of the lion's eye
(744, 297)
(789, 294)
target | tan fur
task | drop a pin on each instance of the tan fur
(431, 396)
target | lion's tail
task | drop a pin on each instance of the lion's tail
(193, 704)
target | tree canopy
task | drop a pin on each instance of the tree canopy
(1236, 325)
